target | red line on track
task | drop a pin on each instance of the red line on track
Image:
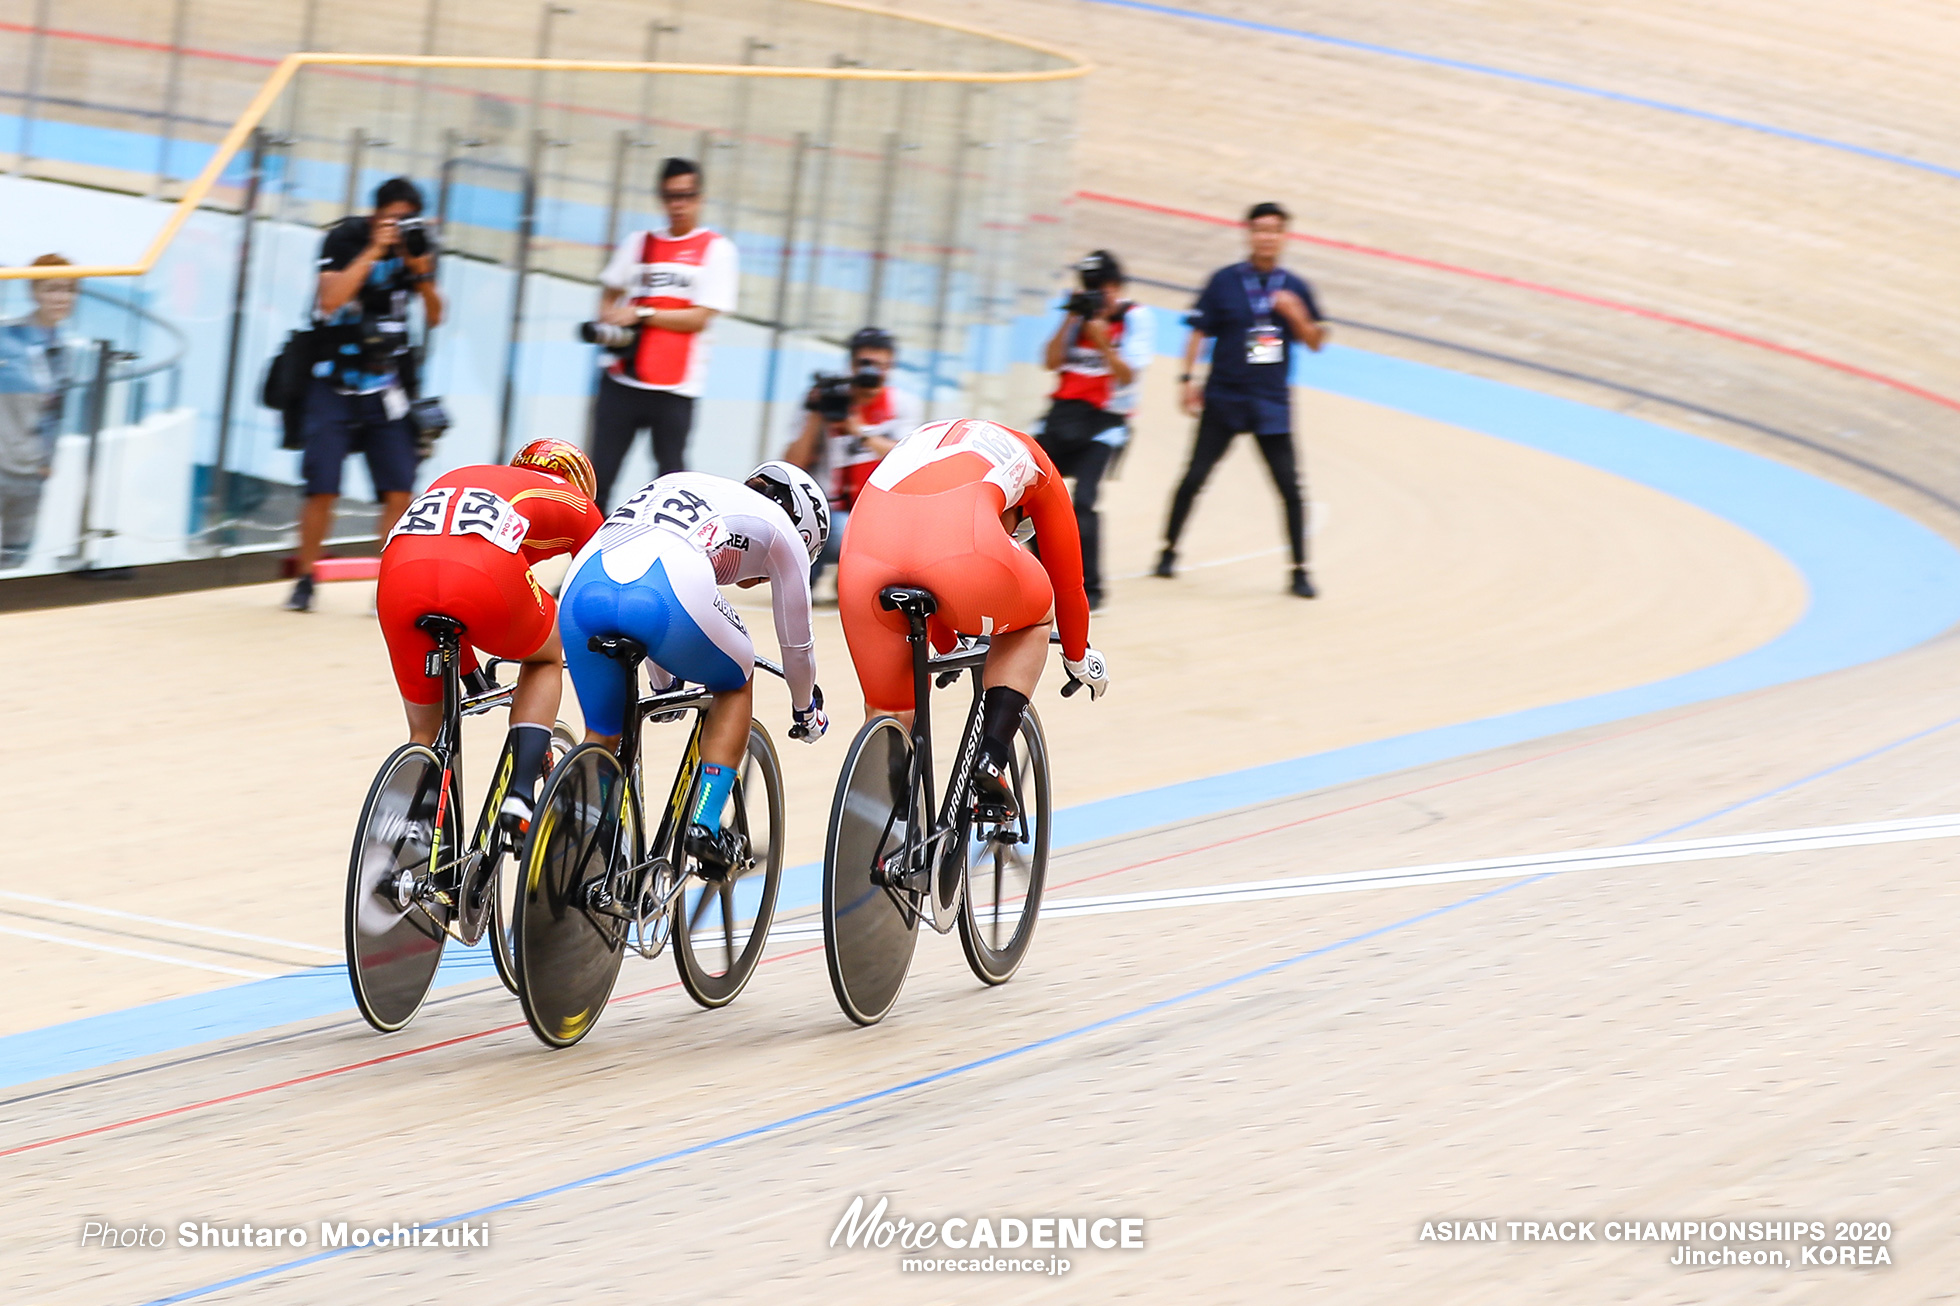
(341, 1070)
(1539, 287)
(130, 43)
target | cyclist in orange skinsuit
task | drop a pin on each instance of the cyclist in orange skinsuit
(939, 513)
(465, 549)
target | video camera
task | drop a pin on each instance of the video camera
(1096, 271)
(832, 393)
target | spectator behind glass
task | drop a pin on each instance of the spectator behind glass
(843, 452)
(358, 401)
(38, 362)
(1098, 353)
(667, 286)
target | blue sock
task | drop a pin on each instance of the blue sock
(716, 782)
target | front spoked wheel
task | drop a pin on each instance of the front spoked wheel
(395, 924)
(570, 928)
(503, 878)
(1007, 866)
(870, 920)
(721, 926)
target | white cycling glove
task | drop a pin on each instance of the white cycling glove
(810, 723)
(1091, 671)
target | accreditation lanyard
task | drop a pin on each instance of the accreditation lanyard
(1263, 343)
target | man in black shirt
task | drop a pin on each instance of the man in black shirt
(358, 399)
(1253, 312)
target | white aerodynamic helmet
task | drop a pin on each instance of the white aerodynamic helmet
(799, 495)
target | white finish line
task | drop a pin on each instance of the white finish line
(1494, 868)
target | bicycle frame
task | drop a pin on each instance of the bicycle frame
(627, 884)
(446, 661)
(925, 849)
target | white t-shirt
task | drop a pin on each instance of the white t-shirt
(655, 270)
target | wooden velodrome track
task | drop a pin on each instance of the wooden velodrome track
(1286, 1088)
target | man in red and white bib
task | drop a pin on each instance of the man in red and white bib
(668, 285)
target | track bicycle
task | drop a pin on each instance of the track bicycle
(592, 884)
(412, 884)
(884, 872)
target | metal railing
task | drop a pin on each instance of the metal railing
(906, 172)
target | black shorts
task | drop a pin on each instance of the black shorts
(337, 425)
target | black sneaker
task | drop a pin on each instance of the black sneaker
(1095, 598)
(1301, 586)
(993, 789)
(1166, 564)
(301, 599)
(718, 851)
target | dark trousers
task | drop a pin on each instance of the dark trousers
(20, 507)
(623, 411)
(1087, 463)
(1215, 436)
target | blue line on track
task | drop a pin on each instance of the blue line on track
(1534, 79)
(894, 1090)
(1781, 789)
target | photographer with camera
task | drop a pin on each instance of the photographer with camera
(851, 420)
(363, 375)
(660, 295)
(1098, 353)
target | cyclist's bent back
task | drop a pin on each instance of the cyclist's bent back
(938, 514)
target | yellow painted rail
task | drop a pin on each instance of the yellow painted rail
(289, 67)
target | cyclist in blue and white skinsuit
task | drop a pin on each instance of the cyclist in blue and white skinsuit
(652, 574)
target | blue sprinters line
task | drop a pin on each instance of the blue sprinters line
(1833, 769)
(1533, 79)
(894, 1090)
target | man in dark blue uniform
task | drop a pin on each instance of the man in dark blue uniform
(1253, 312)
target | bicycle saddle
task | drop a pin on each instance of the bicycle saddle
(440, 626)
(618, 647)
(909, 599)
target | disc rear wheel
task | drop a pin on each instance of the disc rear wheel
(869, 929)
(569, 933)
(721, 926)
(394, 929)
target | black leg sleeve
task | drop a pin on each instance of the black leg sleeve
(1280, 461)
(1212, 442)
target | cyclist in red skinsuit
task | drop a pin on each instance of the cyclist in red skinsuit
(939, 513)
(465, 549)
